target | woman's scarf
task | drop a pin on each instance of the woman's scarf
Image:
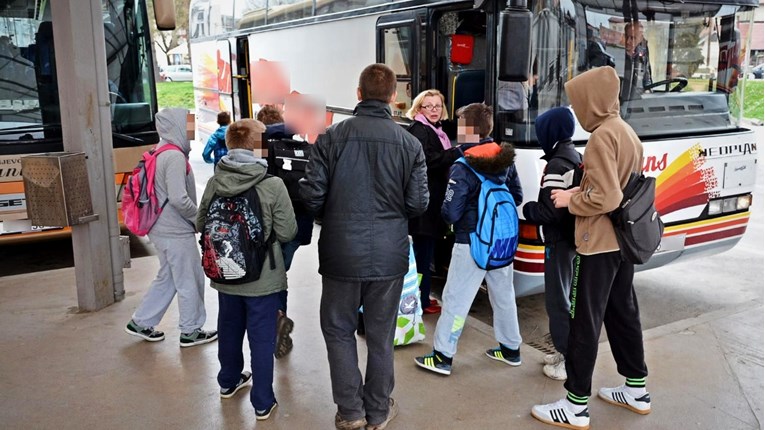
(445, 142)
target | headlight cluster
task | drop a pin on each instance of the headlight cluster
(730, 204)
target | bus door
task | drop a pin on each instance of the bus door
(225, 85)
(398, 47)
(462, 60)
(242, 90)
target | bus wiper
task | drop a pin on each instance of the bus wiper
(127, 137)
(28, 128)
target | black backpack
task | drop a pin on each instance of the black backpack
(234, 245)
(637, 224)
(287, 159)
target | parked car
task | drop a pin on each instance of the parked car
(176, 73)
(756, 72)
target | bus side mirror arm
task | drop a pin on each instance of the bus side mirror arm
(515, 42)
(164, 13)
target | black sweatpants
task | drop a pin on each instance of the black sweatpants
(602, 294)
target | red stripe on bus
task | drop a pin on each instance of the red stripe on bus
(524, 266)
(713, 226)
(695, 240)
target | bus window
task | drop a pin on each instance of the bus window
(398, 46)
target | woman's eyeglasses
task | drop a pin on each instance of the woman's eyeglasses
(432, 107)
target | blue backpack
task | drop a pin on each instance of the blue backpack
(495, 240)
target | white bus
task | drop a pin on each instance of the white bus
(684, 97)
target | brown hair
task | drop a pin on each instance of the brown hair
(224, 118)
(269, 114)
(479, 116)
(377, 82)
(245, 134)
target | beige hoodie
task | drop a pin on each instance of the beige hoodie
(612, 153)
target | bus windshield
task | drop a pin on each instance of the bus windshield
(30, 109)
(678, 63)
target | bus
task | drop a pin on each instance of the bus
(679, 63)
(30, 109)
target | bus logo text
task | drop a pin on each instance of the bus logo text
(653, 163)
(727, 150)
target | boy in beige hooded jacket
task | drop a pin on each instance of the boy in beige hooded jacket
(601, 290)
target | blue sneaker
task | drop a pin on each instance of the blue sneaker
(435, 363)
(513, 359)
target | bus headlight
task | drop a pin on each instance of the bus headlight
(715, 207)
(743, 202)
(729, 204)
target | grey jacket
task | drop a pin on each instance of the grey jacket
(237, 172)
(171, 180)
(366, 178)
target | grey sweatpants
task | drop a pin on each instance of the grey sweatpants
(180, 271)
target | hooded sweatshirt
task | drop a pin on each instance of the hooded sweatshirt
(171, 181)
(612, 153)
(237, 172)
(460, 206)
(554, 130)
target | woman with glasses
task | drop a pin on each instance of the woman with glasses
(427, 112)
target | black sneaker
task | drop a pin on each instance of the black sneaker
(145, 333)
(284, 326)
(227, 393)
(198, 337)
(266, 413)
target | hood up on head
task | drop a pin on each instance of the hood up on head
(491, 158)
(594, 95)
(171, 126)
(553, 126)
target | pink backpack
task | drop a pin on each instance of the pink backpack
(140, 207)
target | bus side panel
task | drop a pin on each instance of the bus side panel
(323, 60)
(206, 91)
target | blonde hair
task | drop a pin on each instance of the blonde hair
(417, 104)
(245, 134)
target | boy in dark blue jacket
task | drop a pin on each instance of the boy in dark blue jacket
(554, 130)
(216, 144)
(460, 208)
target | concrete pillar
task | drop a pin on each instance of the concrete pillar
(78, 33)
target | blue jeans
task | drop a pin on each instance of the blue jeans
(288, 251)
(256, 316)
(462, 284)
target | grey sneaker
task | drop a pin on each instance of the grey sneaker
(145, 333)
(554, 358)
(245, 378)
(265, 413)
(392, 412)
(343, 424)
(555, 371)
(198, 337)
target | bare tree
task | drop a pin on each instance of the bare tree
(167, 40)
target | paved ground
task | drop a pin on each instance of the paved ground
(67, 370)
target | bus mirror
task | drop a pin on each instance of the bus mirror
(515, 42)
(164, 12)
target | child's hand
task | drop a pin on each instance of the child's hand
(561, 198)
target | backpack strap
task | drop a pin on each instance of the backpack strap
(462, 160)
(170, 145)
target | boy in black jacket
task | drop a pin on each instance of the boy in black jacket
(554, 130)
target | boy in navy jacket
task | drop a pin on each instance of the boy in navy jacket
(460, 209)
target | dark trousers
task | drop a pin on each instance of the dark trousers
(256, 316)
(357, 398)
(602, 294)
(424, 247)
(559, 260)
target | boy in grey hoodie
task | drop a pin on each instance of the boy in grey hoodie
(173, 235)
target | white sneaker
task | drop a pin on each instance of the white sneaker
(554, 358)
(620, 396)
(560, 414)
(556, 371)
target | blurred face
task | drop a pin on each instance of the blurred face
(465, 133)
(432, 108)
(633, 36)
